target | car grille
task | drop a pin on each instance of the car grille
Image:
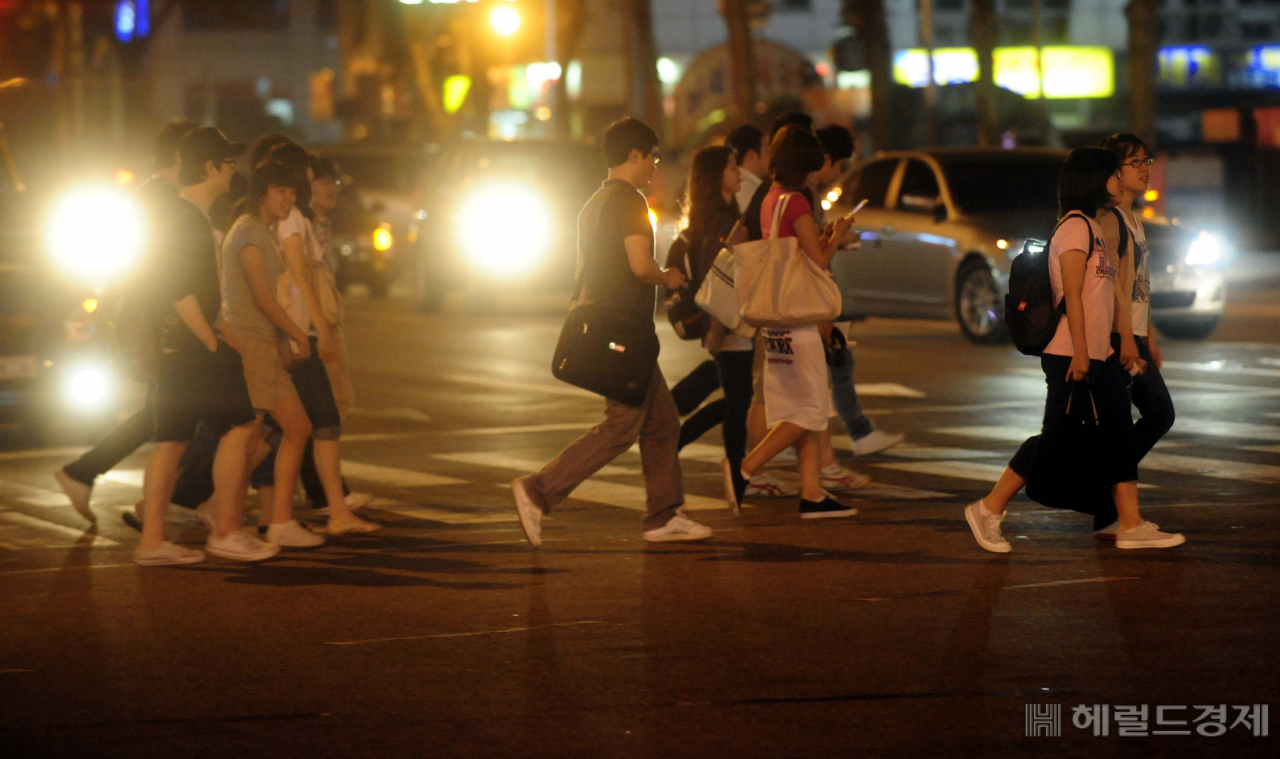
(1173, 300)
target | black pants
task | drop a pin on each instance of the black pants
(1118, 463)
(689, 393)
(1151, 396)
(734, 368)
(119, 444)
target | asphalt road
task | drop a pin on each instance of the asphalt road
(891, 633)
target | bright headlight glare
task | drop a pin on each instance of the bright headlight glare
(88, 387)
(1205, 250)
(96, 233)
(505, 230)
(382, 238)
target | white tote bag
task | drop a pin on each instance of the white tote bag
(716, 296)
(778, 286)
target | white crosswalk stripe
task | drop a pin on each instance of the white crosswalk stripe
(394, 477)
(19, 531)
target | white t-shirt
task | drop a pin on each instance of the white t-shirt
(297, 224)
(1142, 273)
(1099, 288)
(750, 183)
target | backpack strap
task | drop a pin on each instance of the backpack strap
(1078, 215)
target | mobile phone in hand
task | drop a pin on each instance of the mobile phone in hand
(849, 216)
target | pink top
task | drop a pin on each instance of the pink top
(796, 207)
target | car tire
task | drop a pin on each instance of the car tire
(1182, 330)
(978, 309)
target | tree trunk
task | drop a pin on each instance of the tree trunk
(866, 18)
(1142, 67)
(984, 41)
(742, 58)
(643, 60)
(571, 20)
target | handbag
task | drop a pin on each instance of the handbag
(1057, 478)
(778, 286)
(717, 297)
(605, 350)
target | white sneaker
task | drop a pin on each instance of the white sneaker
(241, 546)
(357, 501)
(875, 442)
(986, 528)
(79, 494)
(529, 512)
(1112, 530)
(351, 524)
(837, 477)
(292, 534)
(1147, 535)
(765, 485)
(679, 528)
(168, 554)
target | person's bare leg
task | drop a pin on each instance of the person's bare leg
(231, 478)
(826, 452)
(1005, 489)
(782, 436)
(158, 481)
(292, 418)
(1126, 498)
(757, 424)
(808, 456)
(266, 504)
(328, 458)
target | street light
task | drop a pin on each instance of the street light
(505, 21)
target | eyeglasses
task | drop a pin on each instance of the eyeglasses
(1138, 163)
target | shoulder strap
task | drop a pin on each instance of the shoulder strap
(1088, 225)
(1124, 231)
(779, 209)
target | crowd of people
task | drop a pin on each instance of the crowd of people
(251, 379)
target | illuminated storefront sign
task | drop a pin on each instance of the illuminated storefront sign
(1069, 71)
(1189, 66)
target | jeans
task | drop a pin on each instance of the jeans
(119, 444)
(657, 426)
(845, 395)
(1151, 396)
(734, 368)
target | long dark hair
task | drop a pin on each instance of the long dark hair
(297, 160)
(1082, 182)
(796, 154)
(704, 202)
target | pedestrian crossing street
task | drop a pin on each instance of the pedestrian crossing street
(436, 491)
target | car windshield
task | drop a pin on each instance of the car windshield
(992, 183)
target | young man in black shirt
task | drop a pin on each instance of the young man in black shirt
(616, 265)
(751, 214)
(76, 478)
(199, 377)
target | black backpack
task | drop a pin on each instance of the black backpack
(1029, 311)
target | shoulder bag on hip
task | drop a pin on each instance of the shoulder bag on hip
(716, 296)
(778, 286)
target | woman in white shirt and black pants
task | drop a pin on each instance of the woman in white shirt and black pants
(1084, 274)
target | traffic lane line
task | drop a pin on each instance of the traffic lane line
(1022, 586)
(439, 636)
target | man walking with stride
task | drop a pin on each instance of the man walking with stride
(616, 265)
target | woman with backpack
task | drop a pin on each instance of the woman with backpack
(1086, 383)
(797, 393)
(711, 215)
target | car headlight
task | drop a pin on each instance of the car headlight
(88, 387)
(1205, 250)
(382, 238)
(504, 230)
(96, 233)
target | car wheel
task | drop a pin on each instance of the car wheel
(978, 308)
(1180, 330)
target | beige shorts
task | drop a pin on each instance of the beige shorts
(265, 373)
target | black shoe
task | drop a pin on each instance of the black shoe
(827, 508)
(735, 485)
(132, 520)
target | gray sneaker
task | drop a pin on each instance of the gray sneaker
(1147, 535)
(986, 528)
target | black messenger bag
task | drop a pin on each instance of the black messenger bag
(604, 349)
(607, 353)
